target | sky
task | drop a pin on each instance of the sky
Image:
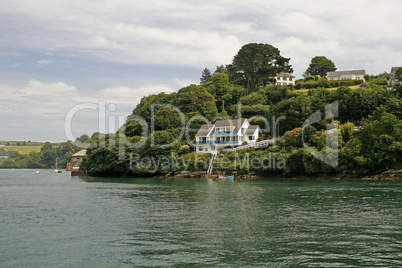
(67, 65)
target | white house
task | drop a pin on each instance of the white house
(285, 79)
(225, 133)
(392, 79)
(346, 75)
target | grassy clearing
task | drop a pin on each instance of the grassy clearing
(22, 148)
(331, 88)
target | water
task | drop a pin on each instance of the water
(53, 220)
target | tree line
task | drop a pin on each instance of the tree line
(45, 158)
(244, 85)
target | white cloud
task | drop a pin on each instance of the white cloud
(47, 99)
(43, 107)
(130, 96)
(177, 33)
(87, 37)
(44, 62)
(184, 82)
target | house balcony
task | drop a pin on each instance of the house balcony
(216, 142)
(222, 133)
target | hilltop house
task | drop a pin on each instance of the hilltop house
(225, 133)
(346, 75)
(285, 79)
(392, 79)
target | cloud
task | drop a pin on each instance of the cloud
(88, 47)
(38, 98)
(90, 30)
(176, 33)
(42, 107)
(127, 96)
(184, 82)
(44, 62)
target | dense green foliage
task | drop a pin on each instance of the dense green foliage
(320, 65)
(377, 146)
(255, 63)
(153, 139)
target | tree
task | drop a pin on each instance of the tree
(193, 99)
(83, 138)
(258, 62)
(166, 117)
(253, 99)
(206, 73)
(320, 65)
(347, 130)
(381, 137)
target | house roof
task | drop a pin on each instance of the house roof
(81, 153)
(237, 123)
(284, 74)
(392, 74)
(339, 73)
(394, 69)
(204, 130)
(251, 130)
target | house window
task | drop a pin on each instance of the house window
(285, 84)
(251, 138)
(278, 83)
(200, 149)
(357, 77)
(213, 148)
(285, 78)
(290, 78)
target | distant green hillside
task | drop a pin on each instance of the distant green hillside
(24, 147)
(35, 154)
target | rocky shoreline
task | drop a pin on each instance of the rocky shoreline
(386, 175)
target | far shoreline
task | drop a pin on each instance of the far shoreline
(389, 175)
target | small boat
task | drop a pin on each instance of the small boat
(69, 167)
(56, 170)
(227, 178)
(36, 172)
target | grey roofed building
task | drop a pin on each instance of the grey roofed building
(236, 123)
(346, 75)
(205, 130)
(392, 79)
(225, 133)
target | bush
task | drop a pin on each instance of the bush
(346, 83)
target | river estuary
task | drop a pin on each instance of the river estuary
(55, 220)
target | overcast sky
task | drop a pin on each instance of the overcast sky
(57, 54)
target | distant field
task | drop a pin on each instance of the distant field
(331, 88)
(22, 148)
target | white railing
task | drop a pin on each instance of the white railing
(255, 145)
(211, 164)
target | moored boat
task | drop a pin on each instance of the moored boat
(56, 170)
(226, 178)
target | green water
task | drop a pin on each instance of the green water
(53, 220)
